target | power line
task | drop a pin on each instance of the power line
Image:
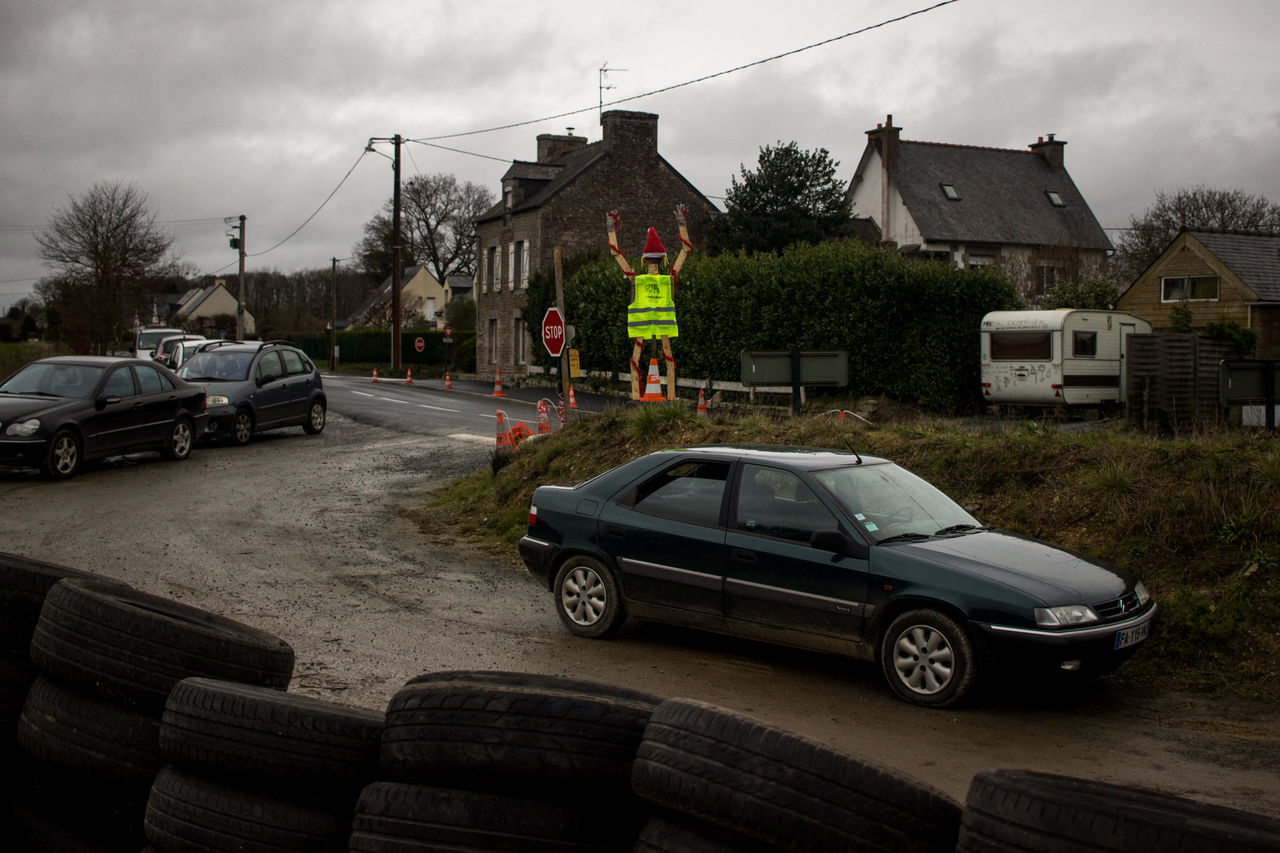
(307, 221)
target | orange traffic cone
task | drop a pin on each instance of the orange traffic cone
(447, 383)
(375, 374)
(497, 385)
(653, 385)
(504, 434)
(519, 432)
(702, 403)
(408, 376)
(573, 401)
(544, 425)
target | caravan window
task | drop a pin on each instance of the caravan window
(1021, 346)
(1084, 344)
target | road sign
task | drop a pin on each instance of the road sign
(419, 344)
(553, 332)
(448, 334)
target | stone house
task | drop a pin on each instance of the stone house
(973, 206)
(1221, 277)
(560, 201)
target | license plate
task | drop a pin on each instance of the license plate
(1129, 636)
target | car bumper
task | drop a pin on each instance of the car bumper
(538, 556)
(218, 424)
(23, 452)
(1089, 650)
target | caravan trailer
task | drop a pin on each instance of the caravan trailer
(1062, 357)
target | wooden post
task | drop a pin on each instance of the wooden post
(564, 351)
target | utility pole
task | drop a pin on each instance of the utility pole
(333, 317)
(237, 242)
(395, 259)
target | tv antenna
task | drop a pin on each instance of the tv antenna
(605, 69)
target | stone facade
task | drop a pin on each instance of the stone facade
(561, 200)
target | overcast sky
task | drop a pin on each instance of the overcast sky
(221, 109)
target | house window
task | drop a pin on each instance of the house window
(518, 266)
(1188, 287)
(1055, 198)
(1021, 346)
(519, 341)
(490, 264)
(1084, 344)
(493, 340)
(949, 190)
(1047, 276)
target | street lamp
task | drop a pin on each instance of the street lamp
(395, 244)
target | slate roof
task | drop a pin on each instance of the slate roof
(1002, 197)
(1253, 256)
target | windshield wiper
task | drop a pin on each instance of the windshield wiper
(959, 528)
(913, 537)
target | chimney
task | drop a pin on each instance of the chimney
(1050, 149)
(625, 129)
(885, 137)
(553, 147)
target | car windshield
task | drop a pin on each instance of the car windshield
(53, 380)
(148, 340)
(890, 501)
(217, 365)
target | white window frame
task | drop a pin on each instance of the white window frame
(1189, 279)
(511, 266)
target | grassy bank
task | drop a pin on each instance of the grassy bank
(1197, 518)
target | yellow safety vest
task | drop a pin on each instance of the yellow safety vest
(652, 313)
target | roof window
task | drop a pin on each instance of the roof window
(1055, 198)
(949, 190)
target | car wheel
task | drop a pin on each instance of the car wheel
(928, 658)
(64, 457)
(587, 597)
(315, 420)
(181, 436)
(242, 427)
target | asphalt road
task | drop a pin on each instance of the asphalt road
(322, 540)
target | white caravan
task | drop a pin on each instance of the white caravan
(1061, 357)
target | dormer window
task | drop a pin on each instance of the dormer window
(949, 190)
(507, 194)
(1055, 198)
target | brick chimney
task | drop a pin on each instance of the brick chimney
(886, 137)
(632, 130)
(553, 147)
(1050, 149)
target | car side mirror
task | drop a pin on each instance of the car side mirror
(102, 401)
(837, 543)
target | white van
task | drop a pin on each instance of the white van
(144, 342)
(1060, 357)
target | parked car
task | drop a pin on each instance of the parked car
(167, 348)
(56, 413)
(257, 386)
(832, 551)
(145, 340)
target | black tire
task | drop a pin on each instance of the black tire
(782, 789)
(315, 418)
(534, 733)
(394, 817)
(588, 598)
(242, 427)
(132, 647)
(674, 834)
(182, 436)
(29, 830)
(17, 674)
(536, 681)
(109, 813)
(279, 744)
(24, 583)
(928, 659)
(186, 814)
(1020, 810)
(65, 455)
(91, 737)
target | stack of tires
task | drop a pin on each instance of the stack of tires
(505, 761)
(106, 657)
(253, 769)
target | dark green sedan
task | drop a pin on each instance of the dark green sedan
(831, 551)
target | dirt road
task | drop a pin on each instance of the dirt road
(319, 540)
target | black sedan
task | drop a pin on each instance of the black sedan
(56, 413)
(832, 551)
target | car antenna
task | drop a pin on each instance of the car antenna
(851, 450)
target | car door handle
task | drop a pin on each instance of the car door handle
(744, 556)
(610, 530)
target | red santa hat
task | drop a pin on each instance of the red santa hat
(653, 247)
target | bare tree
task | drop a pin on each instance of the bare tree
(105, 251)
(1199, 207)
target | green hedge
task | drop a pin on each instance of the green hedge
(374, 347)
(910, 325)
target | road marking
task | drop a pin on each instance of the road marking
(437, 408)
(474, 439)
(362, 393)
(394, 400)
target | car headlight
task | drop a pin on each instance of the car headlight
(23, 428)
(1141, 591)
(216, 400)
(1071, 614)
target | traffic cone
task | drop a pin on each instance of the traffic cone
(497, 384)
(375, 374)
(447, 383)
(653, 385)
(702, 403)
(544, 425)
(573, 401)
(519, 432)
(408, 376)
(504, 434)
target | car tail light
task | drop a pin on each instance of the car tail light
(533, 515)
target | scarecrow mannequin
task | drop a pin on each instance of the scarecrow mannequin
(652, 309)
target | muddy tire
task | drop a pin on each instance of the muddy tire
(783, 789)
(24, 583)
(588, 597)
(131, 647)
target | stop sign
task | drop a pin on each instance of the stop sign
(419, 344)
(553, 332)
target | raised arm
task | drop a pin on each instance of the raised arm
(611, 223)
(682, 216)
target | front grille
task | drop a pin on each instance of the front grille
(1118, 607)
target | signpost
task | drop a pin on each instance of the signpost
(795, 368)
(553, 332)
